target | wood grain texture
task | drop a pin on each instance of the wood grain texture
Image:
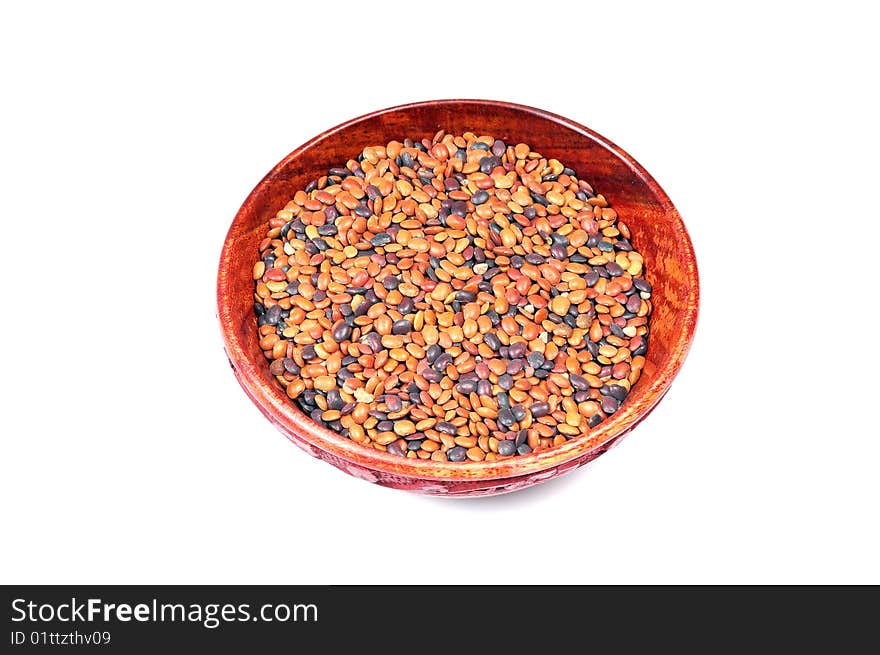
(657, 232)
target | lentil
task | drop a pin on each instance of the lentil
(454, 299)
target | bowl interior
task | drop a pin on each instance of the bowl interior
(657, 232)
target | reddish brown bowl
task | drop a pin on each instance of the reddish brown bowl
(657, 232)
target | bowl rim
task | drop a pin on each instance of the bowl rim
(278, 408)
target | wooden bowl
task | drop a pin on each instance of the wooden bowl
(657, 232)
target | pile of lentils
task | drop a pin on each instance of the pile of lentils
(456, 298)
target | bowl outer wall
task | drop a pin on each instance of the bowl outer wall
(657, 232)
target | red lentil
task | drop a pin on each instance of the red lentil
(453, 299)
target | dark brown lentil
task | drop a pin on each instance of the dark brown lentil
(454, 299)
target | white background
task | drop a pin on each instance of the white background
(131, 136)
